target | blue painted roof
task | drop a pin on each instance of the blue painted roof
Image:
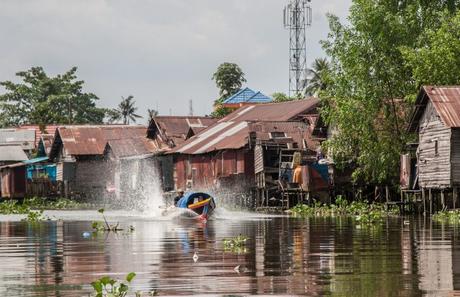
(260, 98)
(247, 95)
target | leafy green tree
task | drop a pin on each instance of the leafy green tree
(41, 99)
(282, 97)
(373, 64)
(319, 71)
(220, 111)
(229, 78)
(126, 110)
(438, 62)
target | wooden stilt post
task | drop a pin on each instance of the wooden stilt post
(454, 198)
(430, 198)
(387, 194)
(424, 201)
(443, 203)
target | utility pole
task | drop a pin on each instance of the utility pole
(297, 16)
(190, 107)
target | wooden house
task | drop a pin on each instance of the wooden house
(244, 146)
(91, 159)
(436, 120)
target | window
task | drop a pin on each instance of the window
(436, 151)
(277, 134)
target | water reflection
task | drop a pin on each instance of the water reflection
(284, 256)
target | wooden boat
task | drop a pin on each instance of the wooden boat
(200, 203)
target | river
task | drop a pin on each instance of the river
(283, 256)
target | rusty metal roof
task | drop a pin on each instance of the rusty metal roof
(446, 101)
(122, 148)
(295, 132)
(232, 131)
(92, 140)
(176, 128)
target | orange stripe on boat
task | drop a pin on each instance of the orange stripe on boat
(199, 204)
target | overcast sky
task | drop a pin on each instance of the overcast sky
(163, 52)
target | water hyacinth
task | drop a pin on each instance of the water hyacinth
(448, 216)
(362, 212)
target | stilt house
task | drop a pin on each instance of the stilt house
(243, 151)
(92, 160)
(436, 120)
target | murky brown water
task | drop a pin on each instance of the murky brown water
(285, 256)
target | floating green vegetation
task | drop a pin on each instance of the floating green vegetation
(13, 207)
(362, 212)
(59, 203)
(37, 203)
(99, 226)
(35, 216)
(236, 244)
(109, 287)
(447, 216)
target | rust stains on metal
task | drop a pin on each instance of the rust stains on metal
(170, 131)
(92, 140)
(232, 131)
(446, 101)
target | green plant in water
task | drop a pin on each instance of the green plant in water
(109, 287)
(34, 216)
(99, 226)
(236, 244)
(447, 216)
(13, 207)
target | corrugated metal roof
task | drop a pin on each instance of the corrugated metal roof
(12, 153)
(24, 138)
(92, 140)
(446, 101)
(176, 128)
(232, 131)
(48, 129)
(296, 131)
(247, 95)
(123, 148)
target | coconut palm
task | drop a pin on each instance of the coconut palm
(127, 110)
(317, 80)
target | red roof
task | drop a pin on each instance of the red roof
(446, 101)
(232, 131)
(92, 140)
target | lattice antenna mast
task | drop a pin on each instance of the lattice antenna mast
(297, 16)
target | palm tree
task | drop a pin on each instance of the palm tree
(126, 110)
(152, 113)
(317, 73)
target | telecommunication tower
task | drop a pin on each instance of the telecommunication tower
(297, 16)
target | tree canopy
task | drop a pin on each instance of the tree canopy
(41, 99)
(318, 80)
(126, 111)
(229, 78)
(378, 63)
